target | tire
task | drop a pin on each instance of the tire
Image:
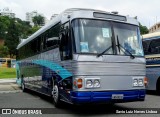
(158, 87)
(56, 97)
(23, 85)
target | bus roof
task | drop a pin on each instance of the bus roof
(71, 14)
(150, 35)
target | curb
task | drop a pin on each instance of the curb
(11, 80)
(16, 91)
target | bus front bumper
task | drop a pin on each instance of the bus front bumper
(106, 96)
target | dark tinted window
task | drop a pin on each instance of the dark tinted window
(52, 36)
(49, 38)
(65, 45)
(154, 47)
(146, 44)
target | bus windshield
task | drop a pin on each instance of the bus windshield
(95, 36)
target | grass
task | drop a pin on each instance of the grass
(7, 72)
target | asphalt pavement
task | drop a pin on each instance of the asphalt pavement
(31, 100)
(9, 86)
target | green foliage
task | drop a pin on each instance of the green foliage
(34, 29)
(3, 51)
(24, 28)
(12, 30)
(4, 23)
(143, 29)
(12, 37)
(38, 20)
(7, 72)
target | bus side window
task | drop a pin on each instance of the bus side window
(155, 47)
(65, 44)
(146, 46)
(53, 36)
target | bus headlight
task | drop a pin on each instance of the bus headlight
(92, 82)
(96, 83)
(135, 82)
(89, 84)
(140, 82)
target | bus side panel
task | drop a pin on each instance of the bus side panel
(39, 70)
(152, 74)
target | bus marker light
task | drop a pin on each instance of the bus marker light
(79, 83)
(145, 81)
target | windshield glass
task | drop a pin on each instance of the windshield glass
(92, 36)
(95, 36)
(129, 39)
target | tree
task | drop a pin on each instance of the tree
(24, 27)
(4, 23)
(11, 31)
(34, 29)
(12, 38)
(143, 29)
(38, 20)
(3, 51)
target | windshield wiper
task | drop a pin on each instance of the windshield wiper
(100, 54)
(120, 47)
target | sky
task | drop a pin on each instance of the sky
(147, 11)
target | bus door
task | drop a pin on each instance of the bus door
(66, 56)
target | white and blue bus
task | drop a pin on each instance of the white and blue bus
(151, 45)
(84, 56)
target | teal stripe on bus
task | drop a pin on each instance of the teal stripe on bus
(55, 67)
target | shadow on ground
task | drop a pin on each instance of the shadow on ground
(89, 109)
(152, 92)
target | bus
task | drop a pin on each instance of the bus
(5, 62)
(84, 56)
(151, 45)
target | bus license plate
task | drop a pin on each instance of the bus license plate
(117, 96)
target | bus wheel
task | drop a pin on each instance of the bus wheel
(23, 87)
(56, 96)
(158, 87)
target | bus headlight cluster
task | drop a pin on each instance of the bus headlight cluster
(89, 84)
(138, 82)
(92, 82)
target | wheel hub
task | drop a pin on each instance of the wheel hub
(55, 93)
